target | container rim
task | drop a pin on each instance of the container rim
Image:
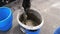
(10, 12)
(29, 27)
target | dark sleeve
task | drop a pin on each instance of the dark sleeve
(26, 4)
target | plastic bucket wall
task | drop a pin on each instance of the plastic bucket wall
(28, 29)
(5, 18)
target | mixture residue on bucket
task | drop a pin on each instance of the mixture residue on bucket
(29, 23)
(32, 19)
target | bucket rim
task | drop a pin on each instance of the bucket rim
(29, 27)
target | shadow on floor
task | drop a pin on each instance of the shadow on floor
(17, 30)
(5, 32)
